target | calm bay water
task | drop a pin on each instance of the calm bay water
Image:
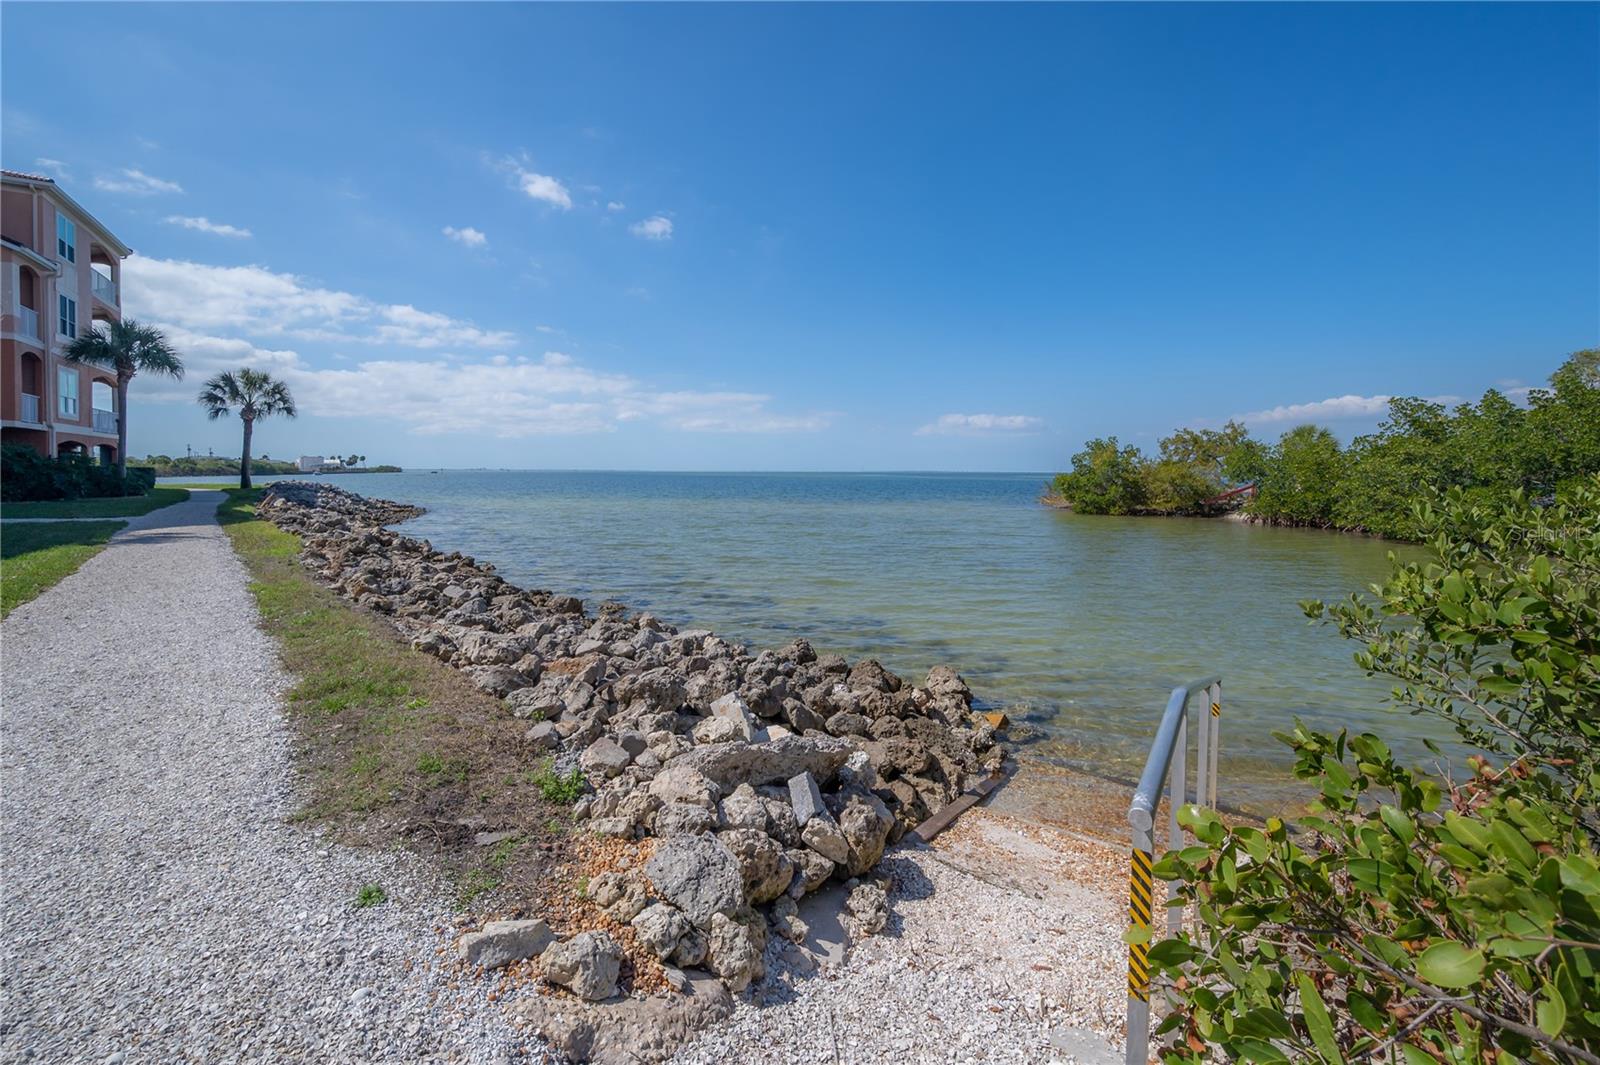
(1081, 625)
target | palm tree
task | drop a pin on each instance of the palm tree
(128, 348)
(254, 394)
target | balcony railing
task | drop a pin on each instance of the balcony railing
(28, 322)
(105, 421)
(30, 409)
(105, 289)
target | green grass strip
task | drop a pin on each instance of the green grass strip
(112, 507)
(36, 557)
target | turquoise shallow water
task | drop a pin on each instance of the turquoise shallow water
(1078, 624)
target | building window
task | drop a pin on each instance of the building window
(66, 239)
(68, 325)
(67, 389)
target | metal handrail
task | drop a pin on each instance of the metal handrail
(1162, 773)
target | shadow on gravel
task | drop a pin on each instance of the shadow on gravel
(168, 535)
(828, 941)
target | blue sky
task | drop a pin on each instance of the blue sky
(828, 237)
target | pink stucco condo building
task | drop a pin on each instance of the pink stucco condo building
(60, 271)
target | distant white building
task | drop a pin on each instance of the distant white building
(310, 463)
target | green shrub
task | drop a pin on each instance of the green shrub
(1424, 919)
(27, 476)
(1106, 478)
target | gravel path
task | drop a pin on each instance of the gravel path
(157, 906)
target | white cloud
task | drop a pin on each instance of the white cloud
(1333, 408)
(205, 225)
(54, 167)
(135, 182)
(656, 227)
(404, 324)
(257, 301)
(981, 424)
(544, 187)
(616, 205)
(226, 317)
(500, 396)
(472, 238)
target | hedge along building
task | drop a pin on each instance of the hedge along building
(60, 272)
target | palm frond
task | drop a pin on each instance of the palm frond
(253, 393)
(128, 347)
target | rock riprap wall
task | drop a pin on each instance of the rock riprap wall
(762, 775)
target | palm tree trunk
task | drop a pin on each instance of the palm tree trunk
(122, 431)
(244, 460)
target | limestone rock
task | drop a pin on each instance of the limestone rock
(812, 870)
(805, 797)
(773, 762)
(864, 821)
(499, 681)
(822, 835)
(869, 907)
(587, 965)
(845, 723)
(719, 730)
(660, 927)
(502, 942)
(944, 681)
(786, 920)
(743, 809)
(681, 782)
(698, 875)
(733, 953)
(691, 948)
(684, 819)
(732, 708)
(544, 735)
(764, 867)
(604, 757)
(870, 675)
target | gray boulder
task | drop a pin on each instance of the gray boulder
(684, 819)
(869, 907)
(822, 835)
(543, 700)
(719, 730)
(743, 809)
(660, 927)
(681, 782)
(811, 871)
(604, 757)
(864, 822)
(765, 868)
(544, 735)
(806, 798)
(774, 762)
(587, 965)
(499, 681)
(502, 942)
(732, 708)
(698, 875)
(733, 951)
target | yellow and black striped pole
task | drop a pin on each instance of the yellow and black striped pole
(1139, 913)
